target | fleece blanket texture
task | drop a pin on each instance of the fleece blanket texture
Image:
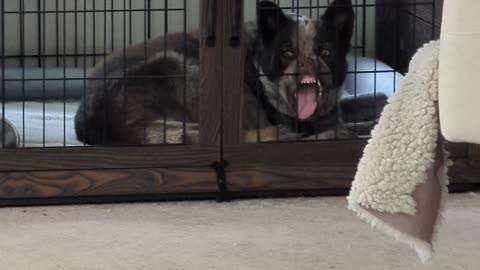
(401, 178)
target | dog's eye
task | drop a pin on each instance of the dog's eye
(288, 54)
(326, 52)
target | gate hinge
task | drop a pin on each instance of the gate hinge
(223, 194)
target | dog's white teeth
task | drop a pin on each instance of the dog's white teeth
(295, 95)
(318, 83)
(308, 82)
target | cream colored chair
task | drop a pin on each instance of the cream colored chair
(459, 72)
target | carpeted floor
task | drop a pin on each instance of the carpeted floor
(291, 234)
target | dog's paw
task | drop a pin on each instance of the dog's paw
(339, 134)
(269, 134)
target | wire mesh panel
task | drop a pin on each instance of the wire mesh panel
(323, 70)
(109, 72)
(125, 72)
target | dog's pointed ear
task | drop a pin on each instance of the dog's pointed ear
(270, 20)
(341, 16)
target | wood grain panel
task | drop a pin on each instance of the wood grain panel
(457, 150)
(292, 176)
(280, 176)
(319, 151)
(465, 171)
(293, 152)
(474, 151)
(321, 175)
(106, 158)
(211, 80)
(233, 83)
(105, 182)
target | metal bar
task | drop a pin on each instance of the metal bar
(113, 26)
(145, 38)
(180, 9)
(76, 34)
(375, 78)
(277, 84)
(64, 76)
(396, 45)
(130, 21)
(101, 78)
(84, 100)
(3, 71)
(311, 9)
(39, 31)
(57, 33)
(44, 66)
(94, 45)
(211, 23)
(257, 84)
(414, 25)
(355, 84)
(22, 52)
(297, 133)
(96, 10)
(124, 60)
(149, 18)
(105, 90)
(364, 28)
(124, 43)
(184, 140)
(173, 76)
(165, 32)
(434, 15)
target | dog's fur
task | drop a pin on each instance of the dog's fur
(119, 110)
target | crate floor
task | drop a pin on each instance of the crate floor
(50, 124)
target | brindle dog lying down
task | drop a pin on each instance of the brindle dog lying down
(298, 86)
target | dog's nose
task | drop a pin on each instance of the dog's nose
(307, 65)
(306, 62)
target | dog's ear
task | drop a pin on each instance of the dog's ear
(341, 17)
(270, 20)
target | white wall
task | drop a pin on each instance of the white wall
(80, 39)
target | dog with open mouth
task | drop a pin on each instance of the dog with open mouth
(294, 69)
(301, 63)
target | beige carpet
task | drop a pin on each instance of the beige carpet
(291, 234)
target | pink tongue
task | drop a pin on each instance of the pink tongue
(307, 102)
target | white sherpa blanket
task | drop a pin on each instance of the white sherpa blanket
(401, 177)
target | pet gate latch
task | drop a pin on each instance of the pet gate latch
(223, 194)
